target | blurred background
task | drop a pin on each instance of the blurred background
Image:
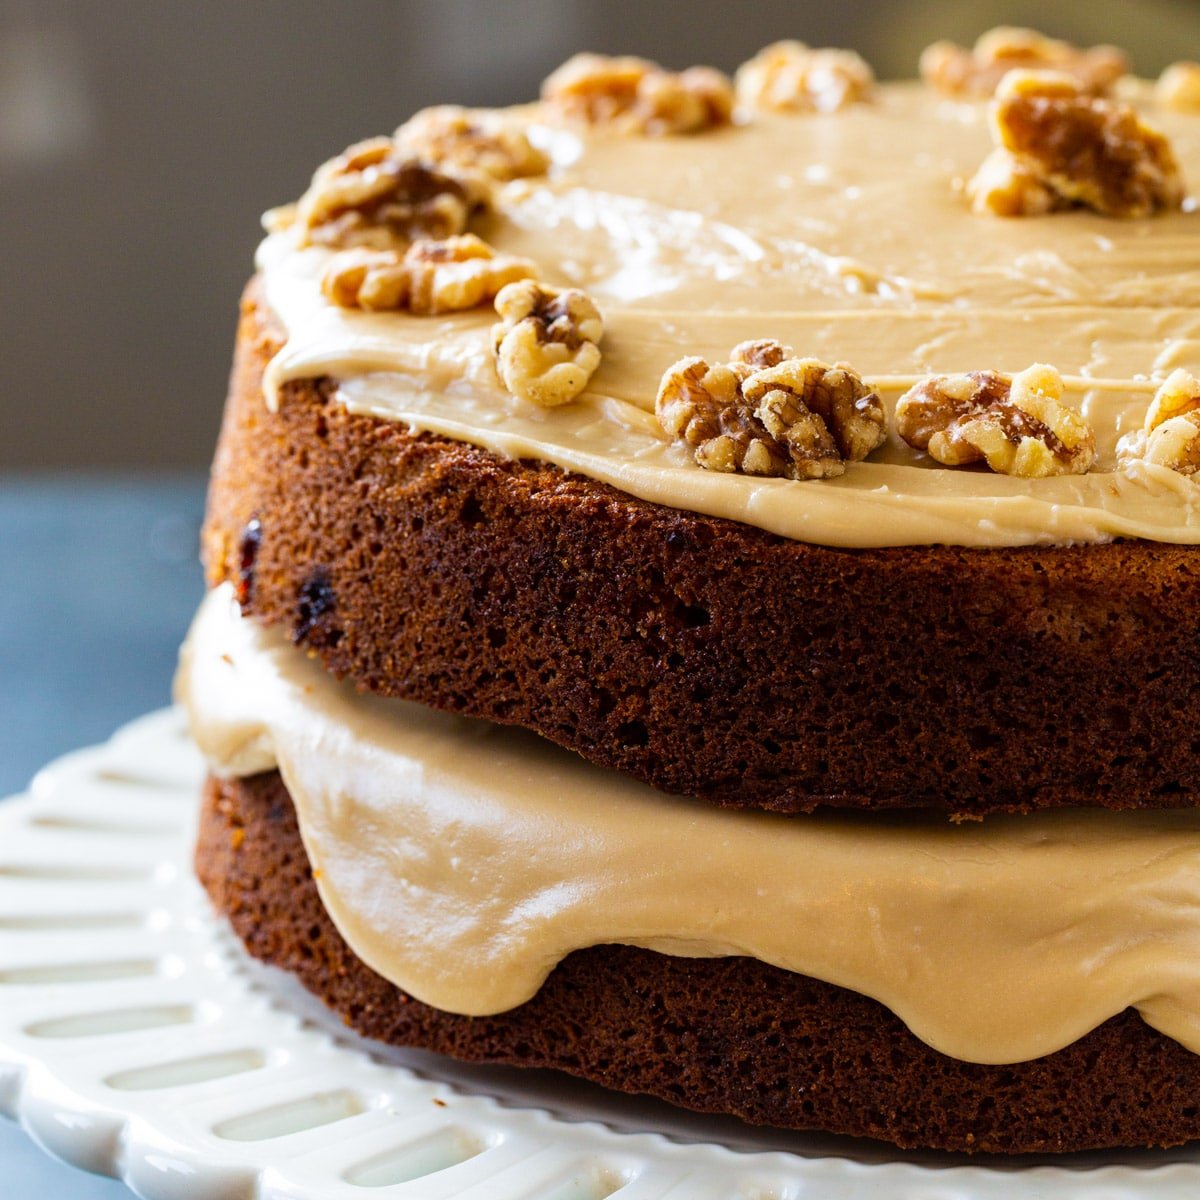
(139, 142)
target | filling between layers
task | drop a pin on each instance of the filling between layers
(462, 861)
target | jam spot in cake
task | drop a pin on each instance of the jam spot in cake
(317, 599)
(247, 554)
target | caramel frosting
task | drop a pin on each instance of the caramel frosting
(845, 236)
(462, 861)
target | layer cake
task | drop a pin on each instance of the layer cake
(829, 458)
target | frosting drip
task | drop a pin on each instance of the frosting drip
(462, 861)
(842, 236)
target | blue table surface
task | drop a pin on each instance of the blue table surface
(98, 583)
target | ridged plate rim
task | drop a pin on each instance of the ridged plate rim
(138, 1040)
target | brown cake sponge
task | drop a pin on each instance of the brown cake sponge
(703, 656)
(725, 1035)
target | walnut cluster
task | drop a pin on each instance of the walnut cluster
(766, 412)
(429, 277)
(634, 95)
(1018, 425)
(546, 342)
(1170, 436)
(1178, 87)
(486, 140)
(378, 196)
(957, 71)
(1059, 147)
(789, 76)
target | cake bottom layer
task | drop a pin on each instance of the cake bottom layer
(723, 1035)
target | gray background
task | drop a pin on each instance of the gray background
(139, 141)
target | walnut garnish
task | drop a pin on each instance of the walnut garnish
(634, 95)
(789, 76)
(703, 406)
(1170, 436)
(483, 139)
(429, 277)
(1018, 425)
(1178, 87)
(1006, 187)
(767, 412)
(1088, 151)
(759, 354)
(957, 71)
(801, 390)
(597, 88)
(375, 195)
(547, 342)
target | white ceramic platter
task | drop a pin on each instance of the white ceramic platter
(136, 1039)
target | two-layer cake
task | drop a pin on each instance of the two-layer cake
(794, 453)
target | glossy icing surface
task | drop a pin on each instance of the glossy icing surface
(845, 236)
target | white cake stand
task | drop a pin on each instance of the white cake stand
(137, 1040)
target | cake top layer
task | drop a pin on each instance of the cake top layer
(848, 236)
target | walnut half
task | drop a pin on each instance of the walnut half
(789, 76)
(1018, 425)
(634, 95)
(956, 71)
(547, 342)
(1079, 148)
(429, 277)
(767, 412)
(1005, 187)
(375, 195)
(1178, 87)
(1170, 436)
(481, 139)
